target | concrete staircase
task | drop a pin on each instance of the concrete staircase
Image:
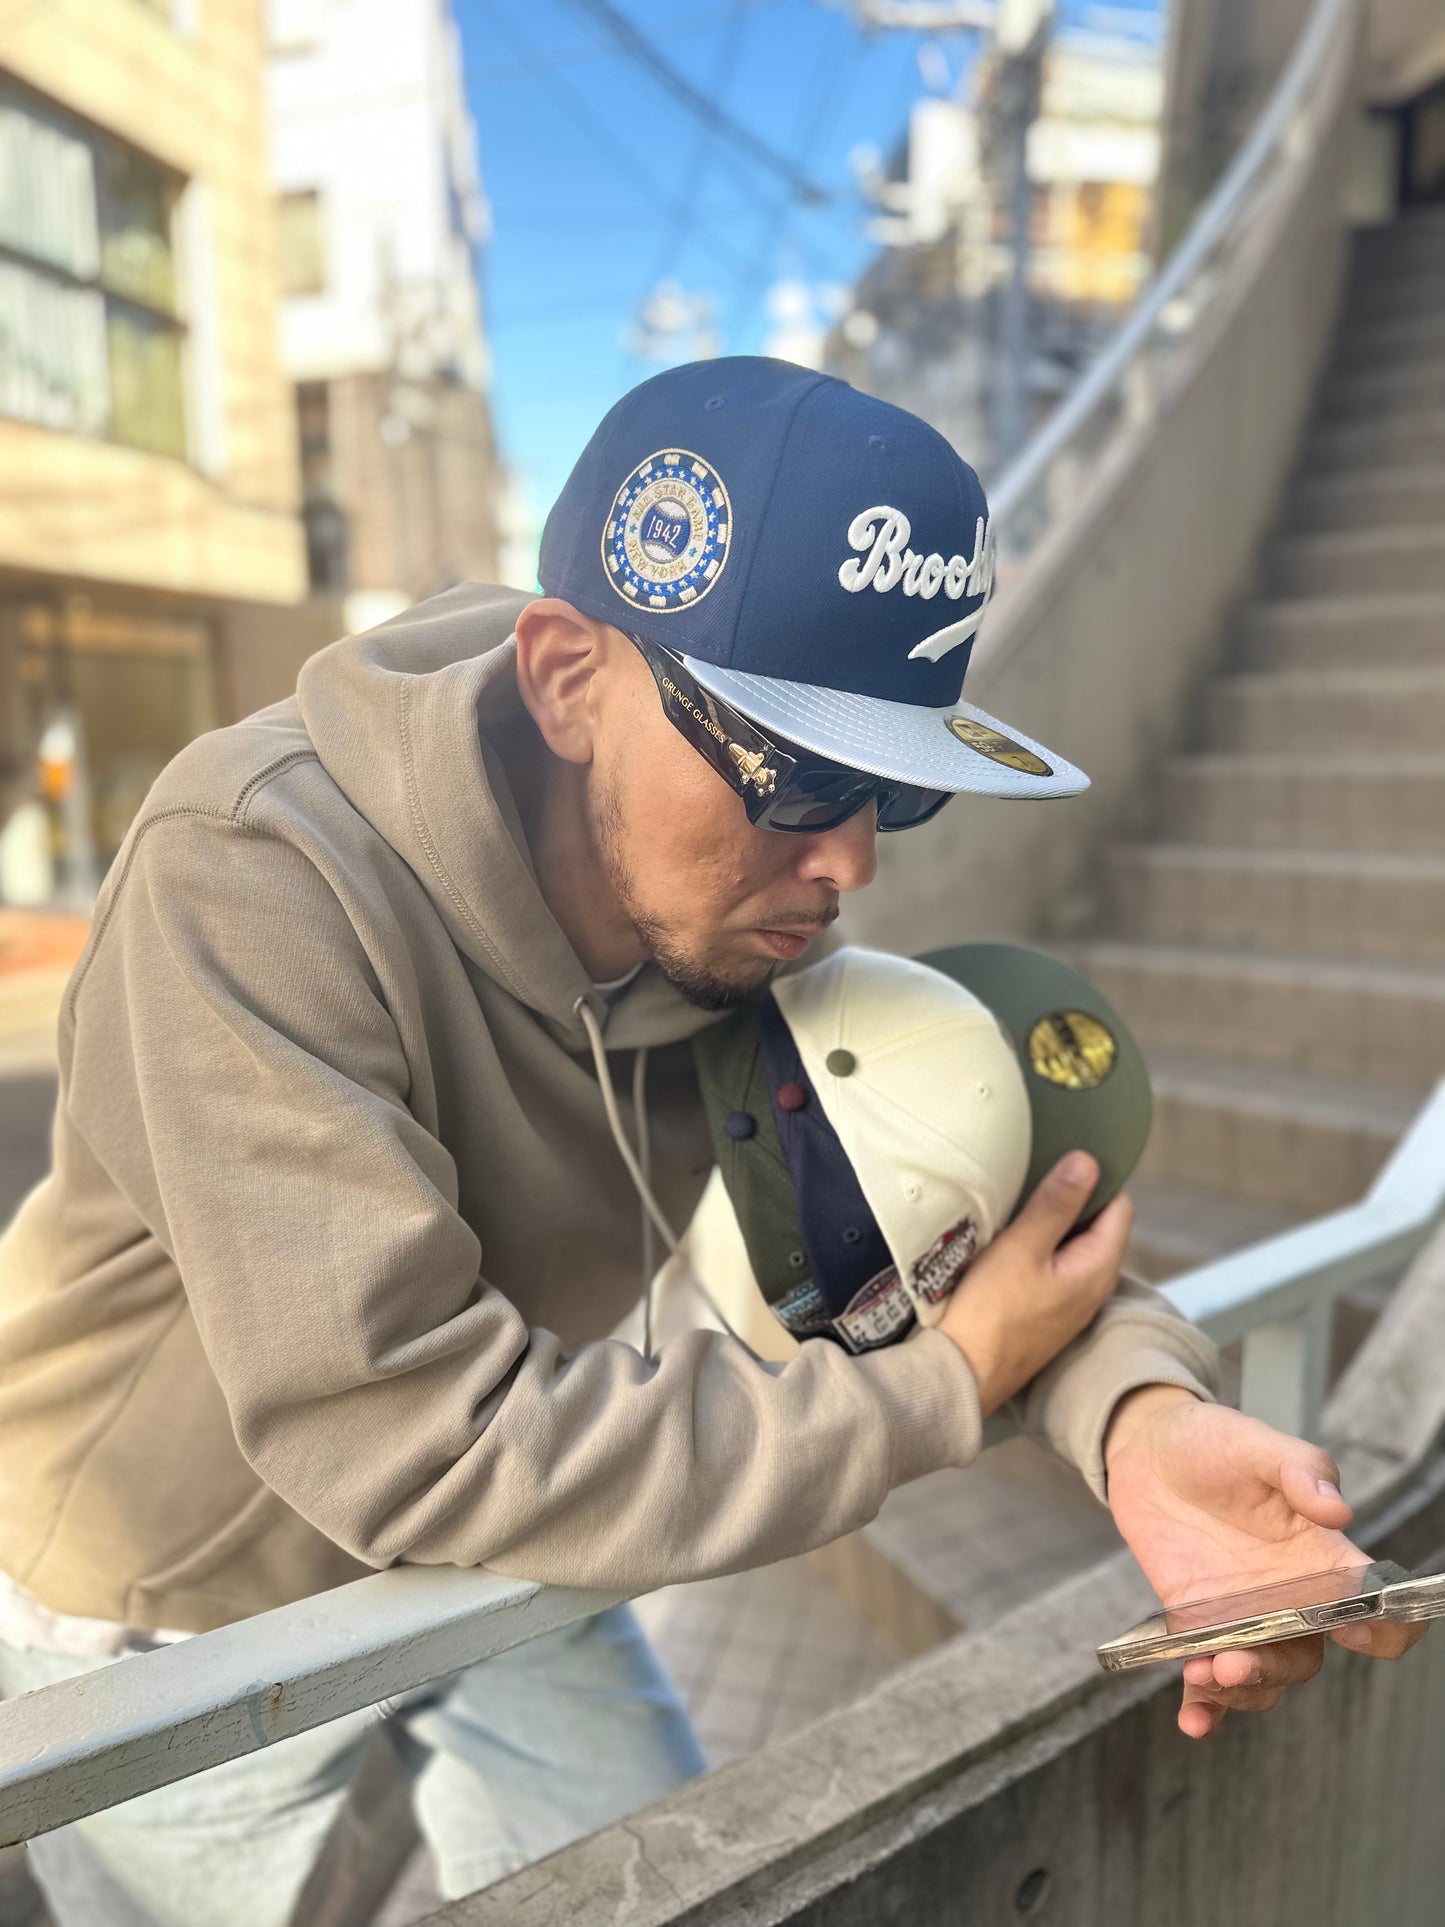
(1278, 944)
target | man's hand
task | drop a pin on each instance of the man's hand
(1210, 1503)
(1029, 1293)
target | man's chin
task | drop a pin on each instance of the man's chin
(712, 986)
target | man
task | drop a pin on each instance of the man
(322, 1277)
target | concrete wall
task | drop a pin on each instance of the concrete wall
(1005, 1776)
(1223, 58)
(1099, 649)
(1406, 48)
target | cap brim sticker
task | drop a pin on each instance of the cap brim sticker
(1072, 1049)
(997, 747)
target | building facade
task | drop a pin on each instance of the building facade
(1063, 137)
(149, 488)
(381, 216)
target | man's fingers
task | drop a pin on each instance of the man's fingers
(1057, 1200)
(1250, 1680)
(1310, 1481)
(1384, 1640)
(1198, 1720)
(1289, 1662)
(1234, 1699)
(1099, 1251)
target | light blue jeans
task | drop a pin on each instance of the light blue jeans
(508, 1760)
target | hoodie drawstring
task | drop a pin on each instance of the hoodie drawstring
(640, 1173)
(644, 1159)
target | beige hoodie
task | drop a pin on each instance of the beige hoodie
(335, 1226)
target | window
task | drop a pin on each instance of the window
(303, 243)
(90, 338)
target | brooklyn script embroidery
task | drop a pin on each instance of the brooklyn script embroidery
(884, 560)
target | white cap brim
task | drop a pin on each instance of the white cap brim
(899, 740)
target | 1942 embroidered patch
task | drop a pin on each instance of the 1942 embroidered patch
(666, 540)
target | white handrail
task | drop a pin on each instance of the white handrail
(1214, 224)
(1279, 1296)
(1291, 1273)
(105, 1736)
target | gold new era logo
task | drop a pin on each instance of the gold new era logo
(1071, 1048)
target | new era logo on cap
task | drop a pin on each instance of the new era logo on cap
(819, 559)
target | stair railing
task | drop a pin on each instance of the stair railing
(1278, 1297)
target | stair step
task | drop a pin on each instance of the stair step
(1338, 631)
(1311, 1141)
(1357, 561)
(1306, 802)
(982, 1542)
(1413, 242)
(1324, 902)
(1358, 1019)
(1177, 1226)
(1406, 496)
(1412, 334)
(1387, 390)
(1374, 442)
(1400, 297)
(1389, 710)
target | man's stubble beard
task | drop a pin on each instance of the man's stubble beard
(700, 984)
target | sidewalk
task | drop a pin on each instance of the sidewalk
(39, 941)
(38, 950)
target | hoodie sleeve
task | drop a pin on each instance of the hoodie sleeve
(1136, 1339)
(241, 1078)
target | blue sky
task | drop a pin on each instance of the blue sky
(602, 184)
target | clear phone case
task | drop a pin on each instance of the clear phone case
(1314, 1603)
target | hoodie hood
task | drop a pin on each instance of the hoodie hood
(408, 720)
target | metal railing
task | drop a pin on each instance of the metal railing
(1279, 1296)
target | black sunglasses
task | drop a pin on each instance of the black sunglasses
(783, 786)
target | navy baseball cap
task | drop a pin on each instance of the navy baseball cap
(819, 559)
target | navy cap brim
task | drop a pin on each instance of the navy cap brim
(959, 747)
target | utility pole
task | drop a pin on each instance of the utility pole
(1020, 34)
(1020, 38)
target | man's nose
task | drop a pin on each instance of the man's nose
(846, 857)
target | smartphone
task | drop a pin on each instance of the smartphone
(1315, 1603)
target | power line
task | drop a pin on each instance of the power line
(603, 138)
(757, 273)
(586, 217)
(684, 213)
(579, 52)
(640, 50)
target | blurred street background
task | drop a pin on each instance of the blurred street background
(306, 308)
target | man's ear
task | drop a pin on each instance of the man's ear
(559, 650)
